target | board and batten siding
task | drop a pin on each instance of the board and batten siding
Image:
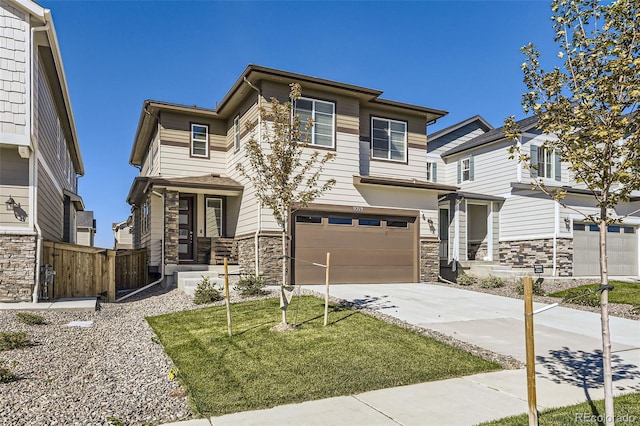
(14, 183)
(14, 64)
(175, 146)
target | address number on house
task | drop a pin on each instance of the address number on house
(358, 209)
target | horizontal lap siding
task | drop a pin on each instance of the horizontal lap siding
(455, 138)
(523, 217)
(51, 207)
(493, 170)
(14, 183)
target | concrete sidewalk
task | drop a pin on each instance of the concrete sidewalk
(81, 304)
(568, 367)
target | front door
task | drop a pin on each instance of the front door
(185, 228)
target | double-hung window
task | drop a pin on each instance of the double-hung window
(389, 139)
(432, 171)
(236, 133)
(322, 115)
(199, 140)
(466, 169)
(545, 163)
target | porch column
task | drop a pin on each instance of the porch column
(171, 209)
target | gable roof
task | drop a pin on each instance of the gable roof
(491, 136)
(475, 119)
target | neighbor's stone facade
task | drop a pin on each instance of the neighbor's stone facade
(17, 267)
(478, 250)
(525, 254)
(269, 253)
(429, 260)
(171, 210)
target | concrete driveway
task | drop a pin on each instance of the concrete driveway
(568, 368)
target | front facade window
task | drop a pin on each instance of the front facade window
(214, 217)
(322, 115)
(199, 140)
(545, 163)
(466, 169)
(236, 133)
(389, 139)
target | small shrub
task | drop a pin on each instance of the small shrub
(537, 289)
(13, 340)
(466, 279)
(492, 282)
(582, 297)
(251, 285)
(206, 292)
(6, 375)
(29, 318)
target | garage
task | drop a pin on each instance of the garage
(365, 248)
(622, 250)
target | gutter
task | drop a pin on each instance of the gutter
(256, 244)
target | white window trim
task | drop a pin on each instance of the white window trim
(406, 145)
(312, 141)
(468, 169)
(236, 133)
(430, 169)
(543, 153)
(206, 141)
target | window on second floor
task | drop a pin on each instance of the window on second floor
(322, 114)
(199, 140)
(465, 169)
(546, 163)
(389, 139)
(432, 172)
(236, 133)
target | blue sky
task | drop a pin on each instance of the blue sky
(459, 56)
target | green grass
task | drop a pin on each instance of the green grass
(623, 292)
(257, 368)
(626, 410)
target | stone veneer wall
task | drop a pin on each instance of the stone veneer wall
(429, 260)
(269, 252)
(525, 254)
(17, 267)
(203, 255)
(478, 250)
(171, 210)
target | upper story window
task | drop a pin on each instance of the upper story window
(546, 163)
(145, 217)
(322, 113)
(199, 140)
(389, 139)
(432, 172)
(465, 169)
(236, 133)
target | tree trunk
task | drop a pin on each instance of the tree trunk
(604, 318)
(284, 304)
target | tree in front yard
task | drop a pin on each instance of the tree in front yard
(283, 170)
(589, 106)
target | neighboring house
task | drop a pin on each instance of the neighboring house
(497, 216)
(192, 207)
(39, 152)
(123, 234)
(85, 228)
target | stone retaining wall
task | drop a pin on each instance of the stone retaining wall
(525, 254)
(17, 267)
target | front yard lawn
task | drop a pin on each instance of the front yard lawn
(623, 292)
(626, 410)
(257, 368)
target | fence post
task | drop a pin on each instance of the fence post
(111, 275)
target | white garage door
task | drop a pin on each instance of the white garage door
(622, 250)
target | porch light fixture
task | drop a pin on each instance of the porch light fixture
(430, 221)
(567, 223)
(11, 203)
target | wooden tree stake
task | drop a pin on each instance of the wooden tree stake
(226, 295)
(326, 290)
(531, 356)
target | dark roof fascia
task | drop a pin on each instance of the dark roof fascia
(476, 196)
(491, 136)
(75, 199)
(442, 132)
(142, 183)
(403, 183)
(431, 113)
(519, 186)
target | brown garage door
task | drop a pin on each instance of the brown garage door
(364, 249)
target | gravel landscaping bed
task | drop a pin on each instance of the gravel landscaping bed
(111, 371)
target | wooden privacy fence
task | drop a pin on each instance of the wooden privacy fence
(82, 271)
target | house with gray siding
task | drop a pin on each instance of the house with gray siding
(497, 219)
(39, 152)
(191, 207)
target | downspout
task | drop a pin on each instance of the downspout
(256, 245)
(556, 231)
(162, 263)
(36, 286)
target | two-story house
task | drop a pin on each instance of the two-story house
(498, 217)
(379, 222)
(39, 152)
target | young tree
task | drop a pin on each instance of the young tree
(590, 109)
(283, 172)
